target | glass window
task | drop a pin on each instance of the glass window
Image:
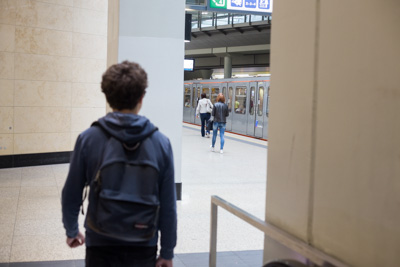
(194, 98)
(240, 99)
(260, 101)
(222, 19)
(230, 96)
(224, 93)
(207, 19)
(206, 91)
(195, 20)
(198, 94)
(252, 99)
(186, 97)
(238, 18)
(256, 18)
(214, 94)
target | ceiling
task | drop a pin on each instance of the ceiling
(246, 43)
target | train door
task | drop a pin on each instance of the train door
(266, 109)
(251, 110)
(195, 99)
(261, 121)
(229, 102)
(187, 103)
(239, 116)
(257, 121)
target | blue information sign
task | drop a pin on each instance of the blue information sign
(250, 3)
(264, 4)
(237, 3)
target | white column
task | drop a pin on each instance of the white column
(334, 146)
(151, 33)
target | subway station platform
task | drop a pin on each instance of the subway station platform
(31, 232)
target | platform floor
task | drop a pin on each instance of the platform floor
(31, 232)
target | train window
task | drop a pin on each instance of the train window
(214, 94)
(207, 92)
(252, 99)
(198, 95)
(224, 93)
(260, 101)
(240, 99)
(186, 98)
(230, 96)
(194, 99)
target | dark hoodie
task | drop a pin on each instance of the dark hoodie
(128, 128)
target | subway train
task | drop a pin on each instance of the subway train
(247, 100)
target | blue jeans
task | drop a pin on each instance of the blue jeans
(221, 126)
(204, 117)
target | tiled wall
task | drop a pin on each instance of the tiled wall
(52, 56)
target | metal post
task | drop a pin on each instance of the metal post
(213, 236)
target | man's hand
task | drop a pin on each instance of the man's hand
(76, 241)
(163, 262)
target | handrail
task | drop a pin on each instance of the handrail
(316, 256)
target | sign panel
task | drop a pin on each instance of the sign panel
(188, 64)
(250, 6)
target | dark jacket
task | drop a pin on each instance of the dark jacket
(129, 128)
(220, 112)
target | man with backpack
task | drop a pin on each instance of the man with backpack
(128, 166)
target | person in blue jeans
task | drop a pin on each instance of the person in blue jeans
(204, 108)
(220, 112)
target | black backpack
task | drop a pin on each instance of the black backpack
(124, 194)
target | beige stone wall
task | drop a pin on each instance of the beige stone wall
(334, 147)
(52, 56)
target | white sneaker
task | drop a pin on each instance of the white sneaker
(207, 135)
(211, 148)
(221, 151)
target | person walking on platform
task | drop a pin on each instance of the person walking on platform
(204, 108)
(125, 212)
(219, 113)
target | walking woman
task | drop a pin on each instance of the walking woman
(220, 112)
(204, 108)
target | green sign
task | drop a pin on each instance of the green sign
(218, 4)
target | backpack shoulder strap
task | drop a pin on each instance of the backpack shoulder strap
(87, 184)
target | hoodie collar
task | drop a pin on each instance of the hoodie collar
(128, 128)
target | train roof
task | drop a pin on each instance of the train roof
(241, 79)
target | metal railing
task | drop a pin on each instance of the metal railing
(314, 255)
(202, 19)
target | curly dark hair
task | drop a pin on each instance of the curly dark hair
(124, 84)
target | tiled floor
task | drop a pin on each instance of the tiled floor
(230, 258)
(30, 213)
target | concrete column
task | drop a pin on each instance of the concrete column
(227, 66)
(334, 127)
(156, 42)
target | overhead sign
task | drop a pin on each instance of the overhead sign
(249, 6)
